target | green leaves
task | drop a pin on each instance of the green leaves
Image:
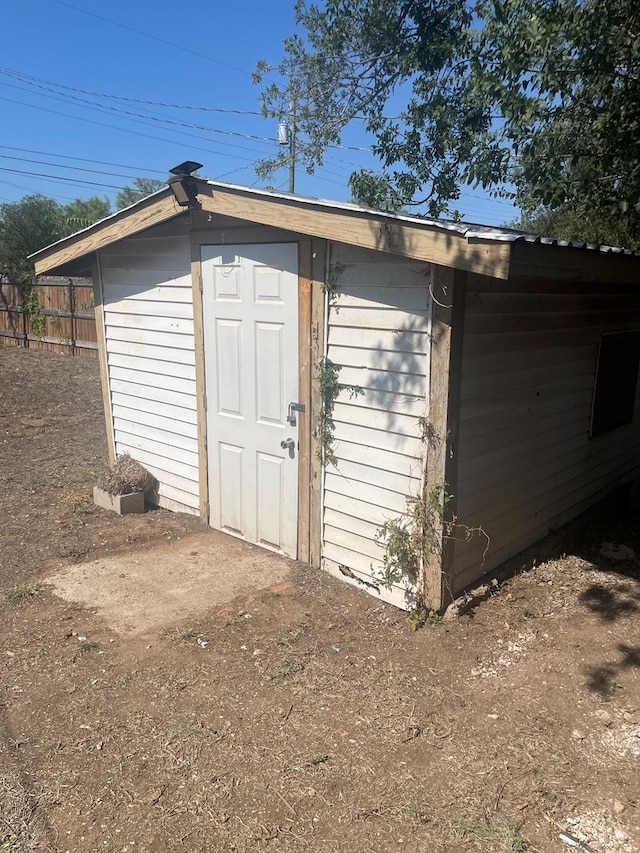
(37, 221)
(531, 98)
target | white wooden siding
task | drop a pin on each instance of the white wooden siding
(378, 333)
(526, 463)
(148, 315)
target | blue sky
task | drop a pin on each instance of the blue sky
(62, 136)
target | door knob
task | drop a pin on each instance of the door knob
(288, 444)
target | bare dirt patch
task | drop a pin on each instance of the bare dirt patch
(308, 715)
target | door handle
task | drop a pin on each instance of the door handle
(291, 412)
(288, 444)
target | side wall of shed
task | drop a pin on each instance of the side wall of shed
(147, 303)
(526, 463)
(378, 334)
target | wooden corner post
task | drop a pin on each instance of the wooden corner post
(98, 303)
(198, 335)
(441, 474)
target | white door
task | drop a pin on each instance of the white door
(250, 315)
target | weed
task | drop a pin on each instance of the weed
(318, 759)
(85, 646)
(502, 834)
(21, 594)
(183, 634)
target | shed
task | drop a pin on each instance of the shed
(406, 403)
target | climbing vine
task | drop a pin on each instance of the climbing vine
(33, 309)
(416, 537)
(330, 388)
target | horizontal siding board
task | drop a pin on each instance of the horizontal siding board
(373, 457)
(363, 358)
(156, 324)
(361, 544)
(152, 339)
(354, 508)
(404, 299)
(507, 497)
(497, 403)
(495, 363)
(356, 433)
(168, 425)
(168, 389)
(379, 318)
(152, 407)
(386, 500)
(157, 354)
(388, 340)
(157, 452)
(149, 308)
(481, 424)
(145, 431)
(354, 524)
(117, 293)
(572, 422)
(343, 555)
(382, 380)
(530, 377)
(399, 480)
(412, 405)
(375, 418)
(122, 362)
(534, 302)
(549, 463)
(537, 341)
(494, 323)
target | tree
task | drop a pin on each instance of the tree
(37, 221)
(26, 226)
(538, 100)
(141, 188)
(81, 213)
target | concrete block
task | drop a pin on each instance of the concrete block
(122, 504)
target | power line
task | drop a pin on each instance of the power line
(23, 76)
(154, 38)
(149, 119)
(42, 83)
(58, 178)
(137, 169)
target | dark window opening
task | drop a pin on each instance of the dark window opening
(616, 379)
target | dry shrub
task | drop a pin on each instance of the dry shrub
(125, 476)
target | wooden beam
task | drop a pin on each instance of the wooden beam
(102, 358)
(441, 474)
(158, 208)
(201, 411)
(304, 396)
(361, 228)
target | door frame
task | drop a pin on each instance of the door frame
(305, 287)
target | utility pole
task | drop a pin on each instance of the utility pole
(292, 146)
(287, 136)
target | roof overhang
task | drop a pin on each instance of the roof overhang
(74, 254)
(498, 253)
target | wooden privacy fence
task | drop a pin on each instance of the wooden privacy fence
(56, 315)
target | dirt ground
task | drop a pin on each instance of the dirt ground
(306, 715)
